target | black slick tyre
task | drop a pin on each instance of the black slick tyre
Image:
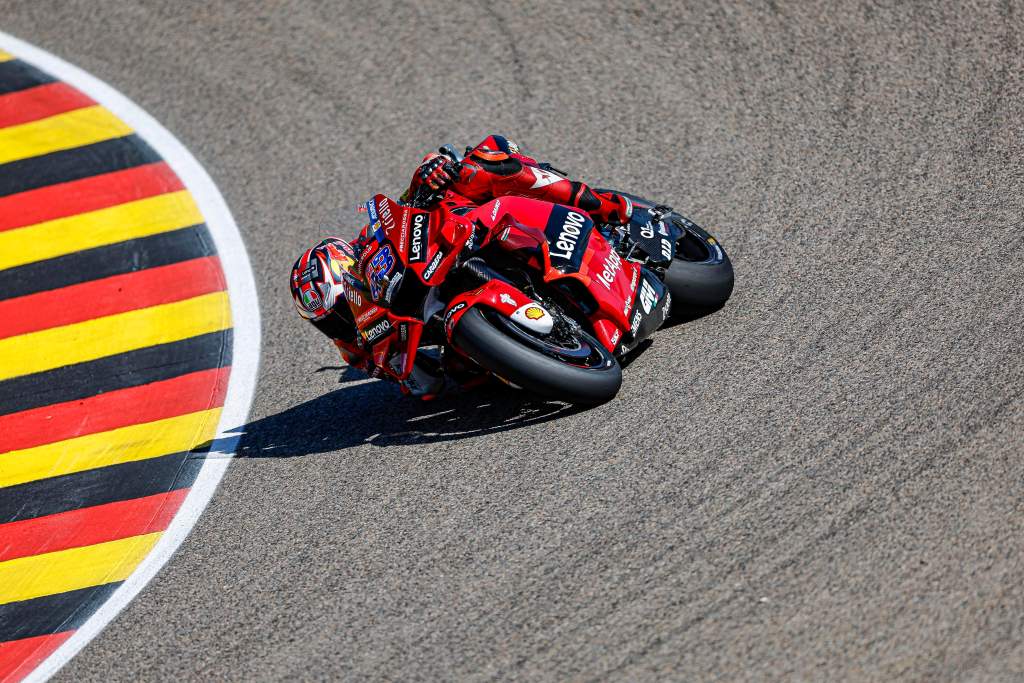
(490, 340)
(700, 277)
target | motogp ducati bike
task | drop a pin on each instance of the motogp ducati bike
(531, 292)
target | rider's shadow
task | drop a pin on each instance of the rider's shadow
(377, 413)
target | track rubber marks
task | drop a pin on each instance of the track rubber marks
(116, 351)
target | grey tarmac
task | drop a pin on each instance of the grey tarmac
(823, 481)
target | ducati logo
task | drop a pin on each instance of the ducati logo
(544, 178)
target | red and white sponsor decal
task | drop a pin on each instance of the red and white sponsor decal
(368, 315)
(403, 234)
(384, 210)
(544, 178)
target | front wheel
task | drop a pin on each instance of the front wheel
(700, 277)
(577, 370)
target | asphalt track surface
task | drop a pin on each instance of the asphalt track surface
(821, 481)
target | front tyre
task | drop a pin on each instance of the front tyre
(700, 277)
(580, 371)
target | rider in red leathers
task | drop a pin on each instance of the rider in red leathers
(494, 168)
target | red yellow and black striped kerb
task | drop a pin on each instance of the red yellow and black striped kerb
(115, 349)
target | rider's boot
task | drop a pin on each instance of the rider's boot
(427, 378)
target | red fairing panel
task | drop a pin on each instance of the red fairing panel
(568, 247)
(496, 294)
(611, 279)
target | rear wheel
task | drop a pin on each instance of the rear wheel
(700, 277)
(571, 367)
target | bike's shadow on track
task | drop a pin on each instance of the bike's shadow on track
(376, 412)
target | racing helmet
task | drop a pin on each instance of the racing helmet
(318, 287)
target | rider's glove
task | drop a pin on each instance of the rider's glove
(436, 173)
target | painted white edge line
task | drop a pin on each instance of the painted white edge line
(245, 319)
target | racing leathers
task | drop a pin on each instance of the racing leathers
(496, 167)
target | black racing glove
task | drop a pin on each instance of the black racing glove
(437, 173)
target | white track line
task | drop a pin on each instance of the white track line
(245, 318)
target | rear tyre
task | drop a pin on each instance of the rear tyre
(585, 374)
(700, 277)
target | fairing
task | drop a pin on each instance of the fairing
(563, 243)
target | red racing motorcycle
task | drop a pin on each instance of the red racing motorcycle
(532, 292)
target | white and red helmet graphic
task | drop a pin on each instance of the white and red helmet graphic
(318, 277)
